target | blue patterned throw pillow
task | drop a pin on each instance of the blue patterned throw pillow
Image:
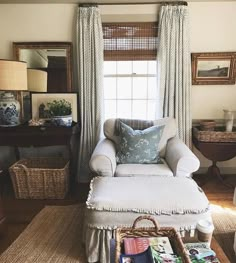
(139, 146)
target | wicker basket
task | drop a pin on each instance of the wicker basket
(155, 231)
(40, 178)
(214, 136)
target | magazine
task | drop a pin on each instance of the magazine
(140, 244)
(201, 252)
(210, 259)
(161, 257)
(149, 256)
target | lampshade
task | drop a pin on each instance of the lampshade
(37, 80)
(13, 75)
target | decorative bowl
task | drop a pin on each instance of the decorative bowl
(61, 120)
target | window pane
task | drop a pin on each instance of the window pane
(110, 109)
(152, 88)
(139, 88)
(109, 88)
(109, 67)
(130, 96)
(140, 67)
(124, 109)
(124, 67)
(151, 110)
(124, 88)
(152, 67)
(139, 109)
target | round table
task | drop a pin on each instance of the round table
(216, 152)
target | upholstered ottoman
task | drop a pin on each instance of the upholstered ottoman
(117, 201)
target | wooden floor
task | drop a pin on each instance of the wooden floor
(20, 212)
(218, 193)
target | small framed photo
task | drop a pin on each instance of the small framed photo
(213, 68)
(47, 105)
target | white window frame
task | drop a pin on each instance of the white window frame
(132, 76)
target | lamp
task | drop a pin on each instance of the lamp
(37, 80)
(13, 77)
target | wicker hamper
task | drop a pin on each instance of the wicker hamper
(155, 231)
(40, 178)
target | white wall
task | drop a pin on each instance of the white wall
(129, 13)
(212, 29)
(34, 22)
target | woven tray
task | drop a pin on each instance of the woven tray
(156, 231)
(218, 135)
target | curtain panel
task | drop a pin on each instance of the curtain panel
(174, 68)
(89, 60)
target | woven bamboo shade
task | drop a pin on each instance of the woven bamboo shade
(130, 41)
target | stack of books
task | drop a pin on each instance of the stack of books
(159, 250)
(148, 250)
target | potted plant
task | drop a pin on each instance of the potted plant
(60, 112)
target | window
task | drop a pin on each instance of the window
(130, 70)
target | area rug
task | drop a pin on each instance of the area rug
(224, 220)
(55, 236)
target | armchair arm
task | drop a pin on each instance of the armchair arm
(103, 160)
(180, 158)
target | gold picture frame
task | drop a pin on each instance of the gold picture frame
(215, 68)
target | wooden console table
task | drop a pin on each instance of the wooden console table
(39, 136)
(216, 152)
(26, 136)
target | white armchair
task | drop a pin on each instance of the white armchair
(177, 158)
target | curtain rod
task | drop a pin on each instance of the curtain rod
(137, 3)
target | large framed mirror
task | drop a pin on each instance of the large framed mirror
(53, 57)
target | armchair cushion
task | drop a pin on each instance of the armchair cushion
(139, 146)
(168, 132)
(136, 169)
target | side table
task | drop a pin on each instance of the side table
(216, 152)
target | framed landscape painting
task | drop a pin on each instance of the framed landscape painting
(213, 68)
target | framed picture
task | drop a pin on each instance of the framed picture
(213, 68)
(42, 101)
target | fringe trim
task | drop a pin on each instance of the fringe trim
(181, 229)
(142, 210)
(152, 212)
